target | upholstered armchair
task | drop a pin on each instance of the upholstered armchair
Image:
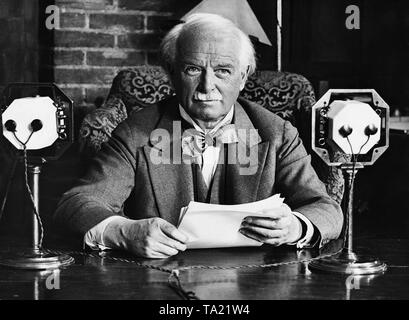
(289, 95)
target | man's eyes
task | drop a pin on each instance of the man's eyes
(192, 70)
(223, 72)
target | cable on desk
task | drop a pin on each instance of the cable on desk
(174, 274)
(176, 284)
(178, 288)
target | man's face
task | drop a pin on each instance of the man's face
(208, 76)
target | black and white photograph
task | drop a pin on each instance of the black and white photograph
(207, 155)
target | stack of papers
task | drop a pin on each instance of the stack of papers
(216, 226)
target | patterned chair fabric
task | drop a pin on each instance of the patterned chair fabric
(289, 95)
(141, 86)
(131, 90)
(283, 93)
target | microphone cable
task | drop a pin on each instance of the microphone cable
(354, 161)
(30, 193)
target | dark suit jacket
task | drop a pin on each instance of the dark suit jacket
(124, 170)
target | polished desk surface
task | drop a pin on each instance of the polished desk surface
(114, 277)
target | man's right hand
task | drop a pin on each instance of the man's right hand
(149, 238)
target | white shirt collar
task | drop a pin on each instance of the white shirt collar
(226, 120)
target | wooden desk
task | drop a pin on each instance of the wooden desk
(93, 277)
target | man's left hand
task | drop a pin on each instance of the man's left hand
(280, 226)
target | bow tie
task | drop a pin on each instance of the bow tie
(195, 142)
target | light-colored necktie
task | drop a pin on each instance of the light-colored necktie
(195, 142)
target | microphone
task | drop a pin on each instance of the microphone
(10, 125)
(36, 125)
(344, 120)
(41, 121)
(371, 129)
(345, 130)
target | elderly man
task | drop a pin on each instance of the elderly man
(208, 60)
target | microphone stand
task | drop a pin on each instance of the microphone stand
(56, 109)
(35, 258)
(347, 261)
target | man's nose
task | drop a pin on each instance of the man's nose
(207, 83)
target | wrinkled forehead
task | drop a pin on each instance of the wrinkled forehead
(215, 44)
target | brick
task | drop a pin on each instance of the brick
(85, 4)
(65, 57)
(115, 58)
(96, 95)
(84, 76)
(82, 39)
(74, 94)
(140, 41)
(153, 58)
(158, 5)
(72, 20)
(160, 23)
(116, 22)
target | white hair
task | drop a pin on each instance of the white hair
(206, 21)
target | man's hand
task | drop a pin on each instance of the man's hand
(149, 238)
(279, 226)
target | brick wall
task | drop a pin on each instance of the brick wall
(97, 38)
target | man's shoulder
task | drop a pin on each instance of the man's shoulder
(139, 124)
(268, 124)
(146, 119)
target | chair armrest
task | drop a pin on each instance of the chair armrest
(97, 126)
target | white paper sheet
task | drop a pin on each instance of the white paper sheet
(216, 226)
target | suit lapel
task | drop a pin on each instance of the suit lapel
(246, 160)
(172, 180)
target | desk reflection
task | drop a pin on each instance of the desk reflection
(235, 273)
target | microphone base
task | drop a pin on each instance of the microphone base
(31, 259)
(347, 262)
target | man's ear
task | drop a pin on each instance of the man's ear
(244, 77)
